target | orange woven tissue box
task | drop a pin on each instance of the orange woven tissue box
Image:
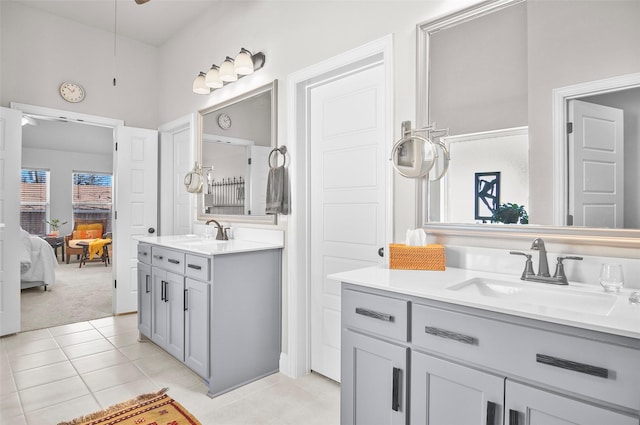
(428, 257)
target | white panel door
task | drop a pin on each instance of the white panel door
(10, 160)
(136, 196)
(182, 200)
(348, 187)
(596, 165)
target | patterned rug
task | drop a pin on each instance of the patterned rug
(147, 409)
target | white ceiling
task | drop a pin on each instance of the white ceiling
(152, 23)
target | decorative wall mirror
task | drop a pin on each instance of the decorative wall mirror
(234, 142)
(495, 66)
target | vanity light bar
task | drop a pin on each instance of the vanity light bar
(245, 63)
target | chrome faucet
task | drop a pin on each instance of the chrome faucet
(558, 278)
(221, 235)
(543, 265)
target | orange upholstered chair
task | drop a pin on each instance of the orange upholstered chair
(83, 230)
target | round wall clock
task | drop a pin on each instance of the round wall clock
(72, 92)
(224, 121)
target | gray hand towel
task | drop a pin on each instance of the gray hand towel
(277, 191)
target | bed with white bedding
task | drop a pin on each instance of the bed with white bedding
(37, 262)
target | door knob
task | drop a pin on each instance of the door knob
(151, 230)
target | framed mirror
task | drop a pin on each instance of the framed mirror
(495, 66)
(234, 141)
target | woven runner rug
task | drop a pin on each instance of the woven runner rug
(147, 409)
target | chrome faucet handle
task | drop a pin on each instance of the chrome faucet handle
(559, 274)
(528, 265)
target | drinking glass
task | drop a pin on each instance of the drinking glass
(611, 277)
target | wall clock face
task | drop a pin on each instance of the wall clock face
(224, 121)
(72, 92)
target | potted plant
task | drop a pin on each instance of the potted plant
(55, 225)
(510, 213)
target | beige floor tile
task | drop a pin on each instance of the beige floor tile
(141, 350)
(10, 407)
(10, 341)
(87, 348)
(78, 337)
(44, 375)
(118, 394)
(112, 376)
(97, 361)
(70, 328)
(33, 347)
(124, 339)
(64, 411)
(46, 395)
(37, 359)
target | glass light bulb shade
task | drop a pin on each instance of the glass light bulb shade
(213, 78)
(243, 62)
(227, 71)
(199, 86)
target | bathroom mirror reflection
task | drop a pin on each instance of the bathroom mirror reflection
(235, 139)
(508, 57)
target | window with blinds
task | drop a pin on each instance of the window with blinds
(34, 201)
(92, 196)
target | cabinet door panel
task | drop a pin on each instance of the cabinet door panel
(444, 393)
(174, 296)
(374, 381)
(538, 407)
(196, 339)
(144, 299)
(159, 318)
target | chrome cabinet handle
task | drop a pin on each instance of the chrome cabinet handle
(162, 290)
(395, 391)
(194, 266)
(186, 300)
(443, 333)
(374, 314)
(574, 366)
(166, 293)
(172, 261)
(142, 253)
(146, 284)
(158, 257)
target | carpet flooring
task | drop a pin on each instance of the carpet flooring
(78, 295)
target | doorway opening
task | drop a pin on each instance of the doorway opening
(71, 147)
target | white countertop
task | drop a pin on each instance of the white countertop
(200, 245)
(622, 319)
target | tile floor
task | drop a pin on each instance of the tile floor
(57, 374)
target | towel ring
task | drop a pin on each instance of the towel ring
(282, 150)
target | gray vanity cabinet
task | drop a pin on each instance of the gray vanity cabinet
(144, 299)
(196, 334)
(374, 359)
(219, 314)
(472, 366)
(377, 380)
(167, 325)
(448, 393)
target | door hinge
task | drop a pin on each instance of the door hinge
(569, 127)
(115, 283)
(115, 215)
(569, 219)
(116, 146)
(249, 161)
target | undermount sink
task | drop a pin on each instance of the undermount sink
(541, 295)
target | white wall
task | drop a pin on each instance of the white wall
(61, 166)
(41, 50)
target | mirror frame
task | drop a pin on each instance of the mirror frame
(623, 238)
(273, 88)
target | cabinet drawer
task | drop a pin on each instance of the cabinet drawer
(588, 367)
(198, 267)
(144, 253)
(168, 259)
(381, 315)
